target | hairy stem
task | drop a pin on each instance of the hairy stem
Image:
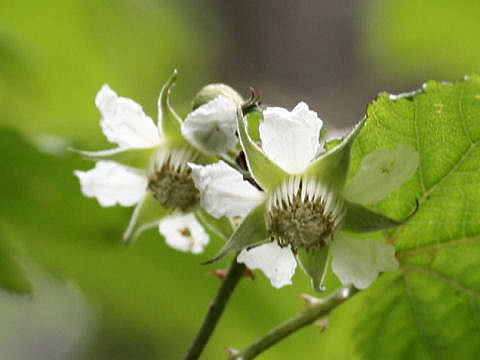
(229, 282)
(309, 315)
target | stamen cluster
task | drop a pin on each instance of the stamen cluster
(170, 179)
(304, 214)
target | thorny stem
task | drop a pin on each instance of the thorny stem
(309, 315)
(233, 276)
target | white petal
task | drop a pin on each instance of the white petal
(223, 192)
(359, 261)
(277, 263)
(212, 126)
(124, 122)
(112, 183)
(184, 233)
(290, 139)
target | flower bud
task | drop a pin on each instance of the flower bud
(211, 126)
(212, 91)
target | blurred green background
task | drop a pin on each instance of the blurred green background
(94, 298)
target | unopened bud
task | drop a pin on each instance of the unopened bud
(212, 91)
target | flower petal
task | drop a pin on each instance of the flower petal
(212, 126)
(291, 139)
(359, 261)
(124, 122)
(184, 233)
(223, 192)
(112, 183)
(277, 263)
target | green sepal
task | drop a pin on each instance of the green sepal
(360, 219)
(252, 231)
(265, 172)
(254, 120)
(134, 158)
(168, 120)
(332, 143)
(221, 227)
(12, 276)
(147, 214)
(315, 265)
(332, 166)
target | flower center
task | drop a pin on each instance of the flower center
(304, 214)
(170, 179)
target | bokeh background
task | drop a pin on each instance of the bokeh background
(92, 297)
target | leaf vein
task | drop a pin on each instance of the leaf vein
(421, 328)
(420, 165)
(462, 116)
(437, 247)
(449, 174)
(442, 277)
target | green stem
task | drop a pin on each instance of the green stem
(233, 276)
(309, 315)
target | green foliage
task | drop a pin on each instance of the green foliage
(53, 60)
(430, 307)
(150, 299)
(408, 39)
(12, 276)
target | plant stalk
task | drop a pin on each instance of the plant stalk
(229, 282)
(309, 315)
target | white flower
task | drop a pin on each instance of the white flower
(124, 122)
(302, 206)
(277, 263)
(184, 233)
(112, 184)
(212, 126)
(148, 169)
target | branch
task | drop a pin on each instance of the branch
(215, 311)
(309, 315)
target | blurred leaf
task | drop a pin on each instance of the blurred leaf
(55, 58)
(430, 308)
(57, 316)
(407, 39)
(152, 298)
(12, 276)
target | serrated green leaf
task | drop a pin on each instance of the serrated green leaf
(430, 308)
